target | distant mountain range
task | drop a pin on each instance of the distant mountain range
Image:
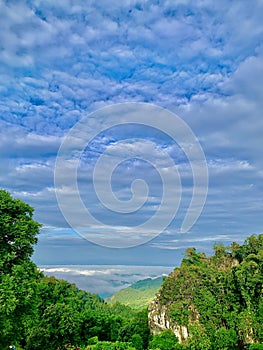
(139, 295)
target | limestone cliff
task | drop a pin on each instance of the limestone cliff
(214, 299)
(160, 320)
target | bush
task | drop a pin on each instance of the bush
(256, 347)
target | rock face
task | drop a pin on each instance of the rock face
(159, 320)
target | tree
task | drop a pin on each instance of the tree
(17, 232)
(60, 325)
(192, 257)
(18, 303)
(166, 340)
(225, 339)
(199, 340)
(137, 341)
(18, 275)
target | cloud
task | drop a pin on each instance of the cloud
(130, 51)
(203, 243)
(105, 279)
(60, 61)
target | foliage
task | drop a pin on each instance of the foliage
(18, 232)
(199, 339)
(256, 347)
(219, 298)
(225, 339)
(166, 340)
(106, 345)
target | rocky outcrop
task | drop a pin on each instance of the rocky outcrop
(213, 299)
(159, 320)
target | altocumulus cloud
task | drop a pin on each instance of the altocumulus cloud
(61, 60)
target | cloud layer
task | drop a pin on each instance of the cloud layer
(202, 60)
(105, 279)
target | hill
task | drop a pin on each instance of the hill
(139, 295)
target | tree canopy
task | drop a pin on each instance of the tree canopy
(18, 232)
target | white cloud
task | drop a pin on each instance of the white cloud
(60, 61)
(105, 279)
(229, 165)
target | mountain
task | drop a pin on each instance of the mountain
(139, 295)
(214, 302)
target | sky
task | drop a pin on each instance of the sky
(65, 64)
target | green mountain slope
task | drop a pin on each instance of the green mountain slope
(139, 295)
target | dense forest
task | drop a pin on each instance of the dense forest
(207, 303)
(215, 302)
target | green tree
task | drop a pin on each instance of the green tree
(225, 339)
(137, 341)
(199, 339)
(17, 232)
(256, 347)
(166, 340)
(18, 275)
(59, 325)
(18, 303)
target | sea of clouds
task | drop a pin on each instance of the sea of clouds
(104, 279)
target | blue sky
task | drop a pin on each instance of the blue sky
(62, 60)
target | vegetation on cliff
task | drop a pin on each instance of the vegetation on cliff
(217, 301)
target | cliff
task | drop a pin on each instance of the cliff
(217, 297)
(160, 320)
